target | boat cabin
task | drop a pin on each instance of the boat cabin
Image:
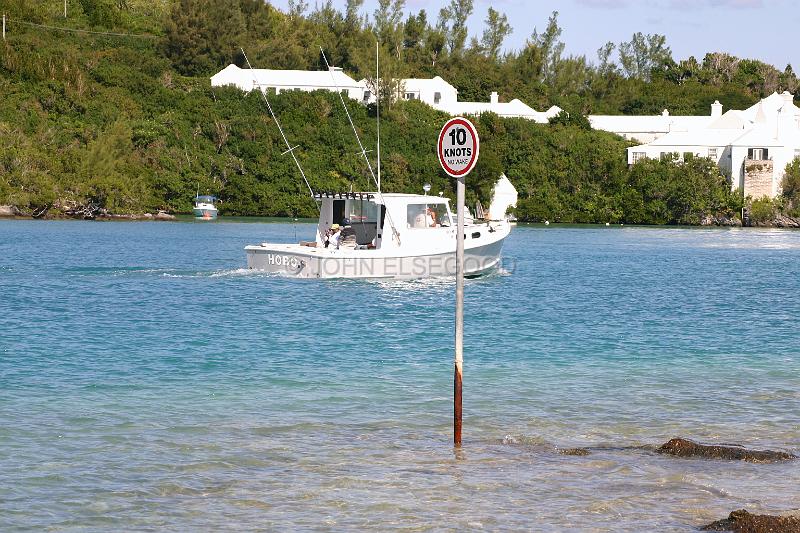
(204, 199)
(373, 220)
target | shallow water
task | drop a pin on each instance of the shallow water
(148, 381)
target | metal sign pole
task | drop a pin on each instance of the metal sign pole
(4, 26)
(459, 359)
(458, 149)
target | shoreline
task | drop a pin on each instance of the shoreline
(12, 212)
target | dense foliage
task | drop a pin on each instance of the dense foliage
(127, 121)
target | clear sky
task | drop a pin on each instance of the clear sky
(756, 29)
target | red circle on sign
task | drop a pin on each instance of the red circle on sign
(475, 145)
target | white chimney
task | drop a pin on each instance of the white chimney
(493, 98)
(787, 120)
(716, 109)
(665, 113)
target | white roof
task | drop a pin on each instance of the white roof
(770, 105)
(699, 137)
(306, 79)
(514, 108)
(426, 84)
(769, 135)
(647, 123)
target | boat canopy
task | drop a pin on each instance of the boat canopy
(205, 198)
(344, 195)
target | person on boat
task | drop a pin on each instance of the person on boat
(431, 218)
(335, 237)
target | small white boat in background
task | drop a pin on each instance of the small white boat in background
(204, 208)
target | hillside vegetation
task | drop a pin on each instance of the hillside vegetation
(119, 115)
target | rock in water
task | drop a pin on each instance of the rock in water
(686, 448)
(743, 522)
(581, 452)
(8, 211)
(162, 215)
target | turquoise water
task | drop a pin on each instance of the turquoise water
(148, 381)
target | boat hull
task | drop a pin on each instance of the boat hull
(308, 262)
(204, 213)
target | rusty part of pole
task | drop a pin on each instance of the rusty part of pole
(457, 413)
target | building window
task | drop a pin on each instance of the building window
(437, 97)
(409, 96)
(758, 154)
(367, 95)
(638, 156)
(712, 153)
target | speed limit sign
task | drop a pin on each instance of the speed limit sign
(458, 147)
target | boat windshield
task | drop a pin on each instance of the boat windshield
(361, 211)
(427, 215)
(362, 216)
(205, 199)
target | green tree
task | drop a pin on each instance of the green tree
(453, 19)
(790, 186)
(642, 54)
(102, 13)
(196, 41)
(550, 46)
(388, 24)
(497, 29)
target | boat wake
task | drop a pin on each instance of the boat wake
(225, 273)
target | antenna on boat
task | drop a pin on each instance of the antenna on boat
(395, 234)
(378, 105)
(289, 147)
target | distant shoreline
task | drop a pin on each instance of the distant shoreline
(12, 213)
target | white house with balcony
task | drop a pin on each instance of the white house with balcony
(278, 81)
(752, 147)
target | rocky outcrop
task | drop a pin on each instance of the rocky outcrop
(685, 448)
(163, 215)
(721, 220)
(743, 522)
(160, 216)
(9, 211)
(783, 221)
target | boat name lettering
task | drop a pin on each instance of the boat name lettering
(281, 260)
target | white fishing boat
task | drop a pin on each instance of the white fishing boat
(380, 235)
(373, 235)
(204, 208)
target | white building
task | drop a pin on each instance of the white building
(751, 147)
(288, 80)
(647, 128)
(513, 109)
(434, 91)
